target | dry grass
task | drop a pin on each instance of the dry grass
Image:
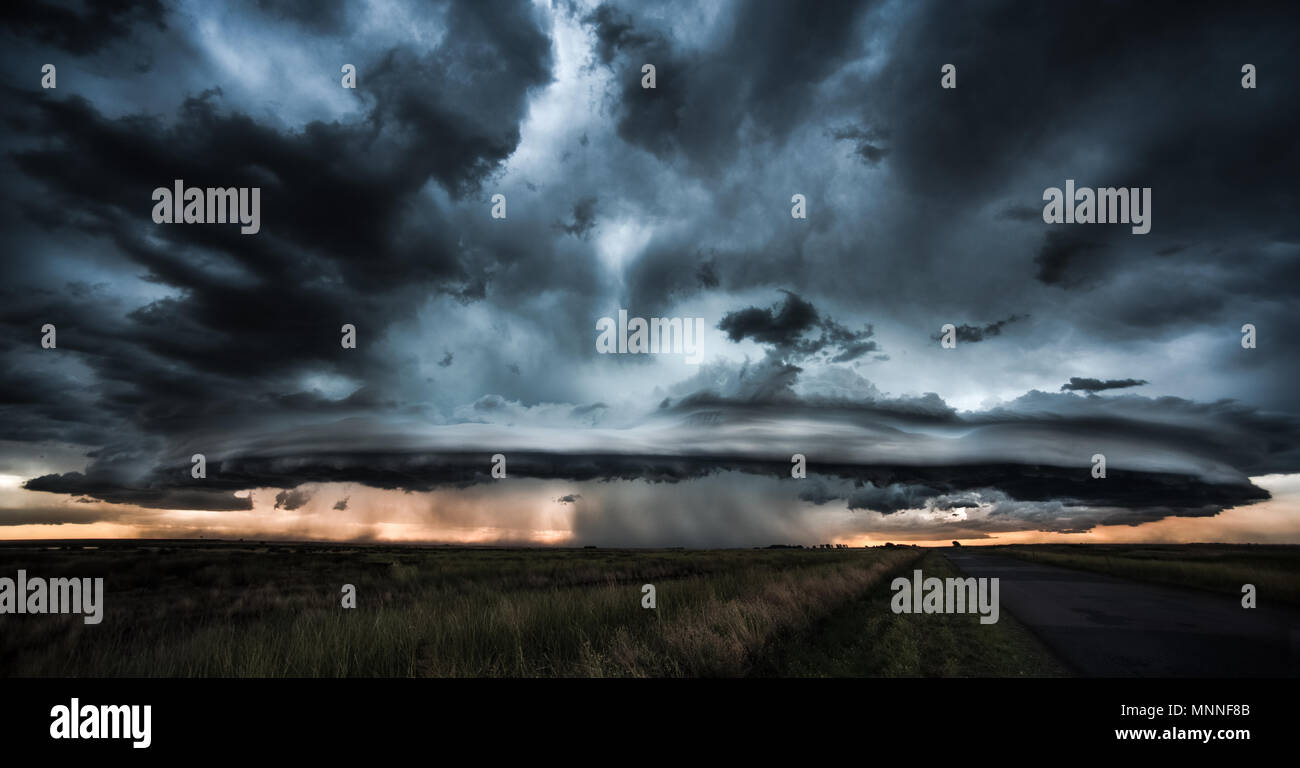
(275, 611)
(865, 638)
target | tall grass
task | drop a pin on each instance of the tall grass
(865, 638)
(275, 611)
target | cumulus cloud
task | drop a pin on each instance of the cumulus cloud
(785, 327)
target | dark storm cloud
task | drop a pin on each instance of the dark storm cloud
(339, 242)
(80, 31)
(1250, 440)
(614, 31)
(584, 218)
(1078, 384)
(973, 333)
(924, 202)
(882, 488)
(1163, 107)
(290, 500)
(891, 498)
(1060, 252)
(784, 327)
(780, 326)
(1027, 462)
(58, 515)
(955, 503)
(163, 493)
(49, 404)
(987, 124)
(1021, 213)
(868, 146)
(707, 274)
(758, 70)
(319, 16)
(994, 139)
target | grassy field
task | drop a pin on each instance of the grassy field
(274, 609)
(207, 609)
(865, 639)
(1274, 570)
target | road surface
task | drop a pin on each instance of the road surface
(1106, 626)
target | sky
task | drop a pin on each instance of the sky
(478, 334)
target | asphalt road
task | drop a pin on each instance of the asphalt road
(1106, 626)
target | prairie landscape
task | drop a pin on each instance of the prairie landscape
(234, 609)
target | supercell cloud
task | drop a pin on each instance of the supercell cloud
(476, 333)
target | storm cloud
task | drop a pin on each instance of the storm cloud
(1081, 384)
(476, 335)
(786, 328)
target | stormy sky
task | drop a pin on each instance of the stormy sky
(477, 335)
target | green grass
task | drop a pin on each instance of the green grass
(206, 609)
(866, 639)
(1224, 568)
(268, 610)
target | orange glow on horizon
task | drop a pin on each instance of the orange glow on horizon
(529, 513)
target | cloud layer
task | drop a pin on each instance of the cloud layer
(476, 334)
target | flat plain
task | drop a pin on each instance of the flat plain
(271, 609)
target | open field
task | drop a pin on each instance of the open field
(234, 609)
(1224, 568)
(864, 638)
(205, 608)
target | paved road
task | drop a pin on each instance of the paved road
(1107, 626)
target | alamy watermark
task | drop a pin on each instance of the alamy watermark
(213, 205)
(103, 721)
(1105, 205)
(658, 335)
(39, 595)
(951, 595)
